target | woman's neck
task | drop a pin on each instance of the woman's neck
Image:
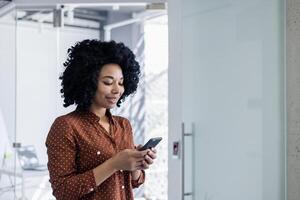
(100, 112)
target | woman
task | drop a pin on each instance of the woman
(91, 154)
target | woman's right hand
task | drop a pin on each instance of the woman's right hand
(129, 159)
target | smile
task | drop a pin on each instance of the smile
(112, 99)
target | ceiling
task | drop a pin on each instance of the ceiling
(76, 13)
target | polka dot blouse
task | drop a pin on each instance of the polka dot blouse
(76, 144)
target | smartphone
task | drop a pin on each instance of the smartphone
(151, 143)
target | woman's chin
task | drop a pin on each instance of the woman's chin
(109, 106)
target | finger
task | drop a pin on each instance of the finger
(139, 164)
(148, 160)
(141, 167)
(152, 154)
(138, 160)
(139, 154)
(145, 164)
(145, 152)
(138, 146)
(154, 150)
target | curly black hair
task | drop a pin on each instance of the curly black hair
(83, 65)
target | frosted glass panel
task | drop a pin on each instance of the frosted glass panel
(233, 91)
(41, 51)
(7, 99)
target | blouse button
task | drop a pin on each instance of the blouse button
(98, 152)
(92, 189)
(121, 170)
(123, 187)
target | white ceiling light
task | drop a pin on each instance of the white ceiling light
(116, 7)
(70, 14)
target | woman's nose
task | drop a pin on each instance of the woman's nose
(116, 89)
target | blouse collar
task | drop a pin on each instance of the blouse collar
(95, 118)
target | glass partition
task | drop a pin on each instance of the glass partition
(40, 37)
(7, 99)
(36, 101)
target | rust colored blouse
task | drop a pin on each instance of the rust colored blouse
(76, 144)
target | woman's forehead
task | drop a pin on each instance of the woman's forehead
(111, 71)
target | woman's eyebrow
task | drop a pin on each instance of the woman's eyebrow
(111, 77)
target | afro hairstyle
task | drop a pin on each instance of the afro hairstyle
(83, 66)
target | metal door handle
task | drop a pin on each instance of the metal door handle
(183, 135)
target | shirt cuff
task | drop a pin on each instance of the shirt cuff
(139, 181)
(89, 181)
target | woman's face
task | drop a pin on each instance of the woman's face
(110, 86)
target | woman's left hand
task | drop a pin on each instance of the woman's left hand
(149, 157)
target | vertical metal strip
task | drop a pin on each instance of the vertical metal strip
(183, 135)
(16, 100)
(182, 161)
(193, 161)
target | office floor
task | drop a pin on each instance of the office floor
(36, 187)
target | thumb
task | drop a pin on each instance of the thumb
(138, 147)
(139, 154)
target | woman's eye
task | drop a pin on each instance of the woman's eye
(107, 83)
(121, 84)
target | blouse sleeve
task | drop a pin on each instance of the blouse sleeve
(61, 149)
(141, 179)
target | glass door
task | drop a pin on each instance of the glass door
(7, 98)
(44, 32)
(36, 91)
(227, 88)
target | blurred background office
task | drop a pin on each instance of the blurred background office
(34, 42)
(220, 83)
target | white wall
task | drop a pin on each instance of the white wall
(40, 54)
(7, 74)
(174, 104)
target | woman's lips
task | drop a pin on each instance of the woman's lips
(112, 99)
